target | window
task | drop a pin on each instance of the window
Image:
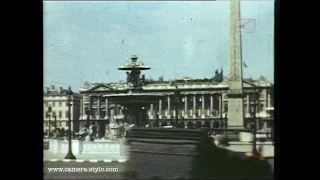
(66, 114)
(53, 113)
(60, 123)
(47, 123)
(261, 107)
(46, 114)
(226, 108)
(60, 114)
(53, 104)
(60, 104)
(46, 104)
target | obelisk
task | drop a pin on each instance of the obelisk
(235, 93)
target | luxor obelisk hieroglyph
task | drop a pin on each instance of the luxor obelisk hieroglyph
(235, 94)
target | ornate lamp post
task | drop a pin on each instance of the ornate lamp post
(70, 154)
(226, 126)
(176, 100)
(49, 115)
(54, 115)
(254, 128)
(221, 117)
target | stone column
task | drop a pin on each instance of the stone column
(112, 116)
(169, 113)
(90, 106)
(114, 112)
(107, 109)
(258, 105)
(268, 104)
(98, 107)
(84, 116)
(211, 105)
(151, 111)
(265, 100)
(248, 106)
(120, 111)
(186, 106)
(220, 105)
(160, 109)
(194, 106)
(202, 110)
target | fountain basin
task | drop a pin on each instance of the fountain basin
(105, 147)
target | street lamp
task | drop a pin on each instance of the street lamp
(221, 111)
(70, 154)
(254, 128)
(88, 112)
(54, 115)
(226, 126)
(49, 115)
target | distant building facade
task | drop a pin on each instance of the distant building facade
(202, 100)
(57, 100)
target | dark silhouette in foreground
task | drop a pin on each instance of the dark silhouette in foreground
(188, 154)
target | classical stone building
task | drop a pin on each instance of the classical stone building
(57, 100)
(201, 100)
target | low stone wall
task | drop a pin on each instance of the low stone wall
(267, 147)
(107, 147)
(248, 137)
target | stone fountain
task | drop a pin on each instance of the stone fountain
(134, 100)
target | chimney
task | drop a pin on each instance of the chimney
(60, 90)
(52, 86)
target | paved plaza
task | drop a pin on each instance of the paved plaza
(52, 157)
(120, 174)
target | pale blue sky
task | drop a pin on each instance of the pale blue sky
(83, 40)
